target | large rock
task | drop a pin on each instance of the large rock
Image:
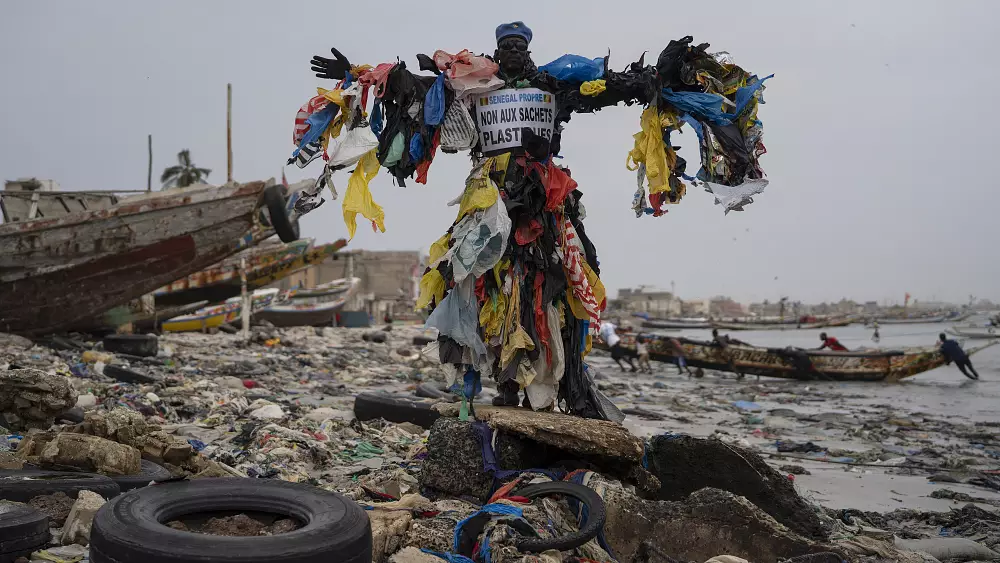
(31, 398)
(703, 525)
(684, 464)
(454, 462)
(90, 453)
(81, 519)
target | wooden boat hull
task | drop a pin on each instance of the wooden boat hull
(141, 322)
(979, 333)
(303, 315)
(217, 315)
(791, 363)
(55, 273)
(223, 281)
(676, 325)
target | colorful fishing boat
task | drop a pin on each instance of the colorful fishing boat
(58, 271)
(214, 316)
(316, 306)
(795, 363)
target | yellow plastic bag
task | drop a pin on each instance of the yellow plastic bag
(432, 286)
(593, 87)
(358, 198)
(439, 248)
(649, 149)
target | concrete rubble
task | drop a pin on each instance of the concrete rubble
(281, 407)
(81, 518)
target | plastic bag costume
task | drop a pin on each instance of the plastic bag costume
(514, 284)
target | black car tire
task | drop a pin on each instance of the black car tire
(132, 526)
(126, 375)
(142, 345)
(394, 408)
(595, 517)
(25, 484)
(148, 471)
(22, 530)
(274, 201)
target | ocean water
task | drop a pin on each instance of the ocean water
(940, 392)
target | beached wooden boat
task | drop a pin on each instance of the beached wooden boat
(55, 272)
(317, 306)
(265, 265)
(110, 320)
(979, 332)
(793, 363)
(215, 316)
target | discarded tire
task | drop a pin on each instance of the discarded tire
(131, 527)
(274, 201)
(126, 375)
(595, 511)
(370, 406)
(26, 484)
(22, 530)
(143, 345)
(148, 471)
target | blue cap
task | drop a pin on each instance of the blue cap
(517, 29)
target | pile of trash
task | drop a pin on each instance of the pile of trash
(505, 485)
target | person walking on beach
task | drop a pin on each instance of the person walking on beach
(832, 343)
(952, 352)
(678, 351)
(609, 333)
(642, 349)
(876, 337)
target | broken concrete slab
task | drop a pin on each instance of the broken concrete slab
(455, 462)
(90, 453)
(32, 398)
(81, 518)
(572, 434)
(684, 464)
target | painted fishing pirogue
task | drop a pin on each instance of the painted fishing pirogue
(794, 363)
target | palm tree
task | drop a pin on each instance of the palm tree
(184, 174)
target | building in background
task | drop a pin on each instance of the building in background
(389, 279)
(654, 302)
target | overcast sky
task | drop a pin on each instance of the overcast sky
(878, 124)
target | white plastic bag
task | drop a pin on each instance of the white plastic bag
(479, 240)
(458, 132)
(353, 145)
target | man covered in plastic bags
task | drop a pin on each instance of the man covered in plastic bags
(514, 284)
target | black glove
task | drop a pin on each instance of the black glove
(332, 69)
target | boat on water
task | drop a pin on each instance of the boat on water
(60, 270)
(795, 363)
(215, 316)
(265, 265)
(316, 306)
(978, 332)
(677, 323)
(954, 318)
(781, 326)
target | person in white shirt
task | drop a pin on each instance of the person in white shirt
(609, 334)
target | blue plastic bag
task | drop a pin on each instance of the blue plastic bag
(574, 68)
(699, 104)
(416, 147)
(434, 102)
(376, 120)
